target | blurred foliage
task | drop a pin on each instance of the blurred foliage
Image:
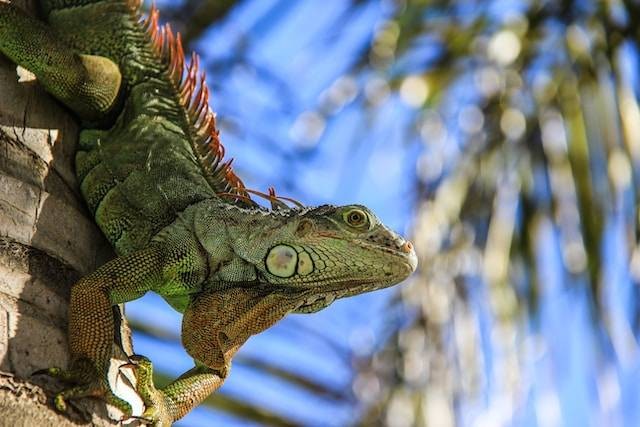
(530, 122)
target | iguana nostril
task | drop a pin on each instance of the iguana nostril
(407, 247)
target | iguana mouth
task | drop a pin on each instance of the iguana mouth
(309, 297)
(345, 288)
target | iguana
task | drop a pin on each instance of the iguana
(152, 171)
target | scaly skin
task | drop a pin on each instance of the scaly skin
(150, 170)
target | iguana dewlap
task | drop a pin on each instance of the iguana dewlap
(151, 169)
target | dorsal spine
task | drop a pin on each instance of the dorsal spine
(193, 94)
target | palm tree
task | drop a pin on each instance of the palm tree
(47, 241)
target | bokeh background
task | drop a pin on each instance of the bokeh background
(503, 137)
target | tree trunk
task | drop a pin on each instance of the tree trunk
(47, 241)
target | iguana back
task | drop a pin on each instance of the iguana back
(162, 153)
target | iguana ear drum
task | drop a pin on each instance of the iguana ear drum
(282, 261)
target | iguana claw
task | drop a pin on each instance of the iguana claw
(156, 407)
(88, 385)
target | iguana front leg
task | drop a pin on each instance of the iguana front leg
(92, 325)
(216, 323)
(164, 406)
(174, 266)
(87, 84)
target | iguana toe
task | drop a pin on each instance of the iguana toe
(156, 408)
(87, 385)
(93, 389)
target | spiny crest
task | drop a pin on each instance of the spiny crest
(194, 97)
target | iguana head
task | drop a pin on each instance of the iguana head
(325, 253)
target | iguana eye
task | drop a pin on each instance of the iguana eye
(356, 218)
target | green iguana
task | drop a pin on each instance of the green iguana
(151, 169)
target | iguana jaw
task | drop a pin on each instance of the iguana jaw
(324, 294)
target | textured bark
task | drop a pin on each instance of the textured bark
(47, 241)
